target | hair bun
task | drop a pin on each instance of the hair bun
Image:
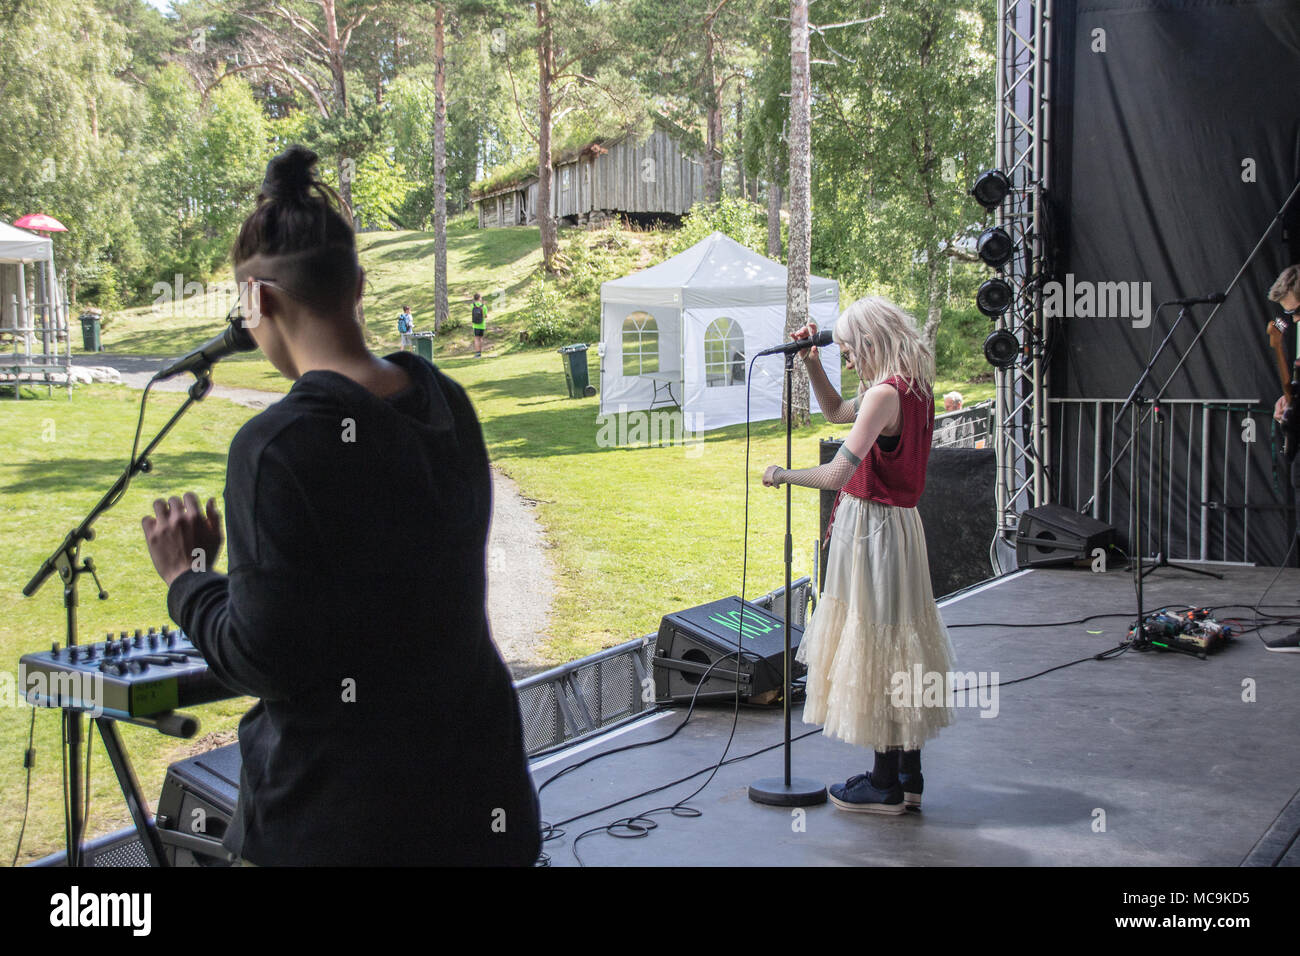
(289, 176)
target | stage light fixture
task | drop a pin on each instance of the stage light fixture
(993, 298)
(995, 247)
(1001, 349)
(991, 187)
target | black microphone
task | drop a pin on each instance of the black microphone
(1203, 300)
(234, 338)
(821, 338)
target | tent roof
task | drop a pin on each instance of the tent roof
(716, 271)
(19, 245)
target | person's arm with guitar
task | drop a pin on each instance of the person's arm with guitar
(1286, 292)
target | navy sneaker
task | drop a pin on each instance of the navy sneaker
(859, 795)
(1285, 645)
(912, 785)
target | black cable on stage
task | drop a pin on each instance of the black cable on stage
(644, 743)
(29, 760)
(1280, 569)
(640, 825)
(1082, 620)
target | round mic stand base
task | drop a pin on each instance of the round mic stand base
(776, 792)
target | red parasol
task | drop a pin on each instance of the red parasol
(39, 222)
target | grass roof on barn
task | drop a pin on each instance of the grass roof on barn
(567, 147)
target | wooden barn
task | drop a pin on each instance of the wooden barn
(603, 179)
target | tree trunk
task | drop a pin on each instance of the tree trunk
(773, 213)
(799, 264)
(545, 71)
(339, 89)
(713, 126)
(740, 142)
(440, 308)
(934, 292)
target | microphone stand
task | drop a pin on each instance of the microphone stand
(1162, 519)
(67, 561)
(787, 791)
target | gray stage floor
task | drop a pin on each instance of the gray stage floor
(1160, 748)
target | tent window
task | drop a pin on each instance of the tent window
(640, 345)
(724, 354)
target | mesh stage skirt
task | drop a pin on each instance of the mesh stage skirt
(876, 639)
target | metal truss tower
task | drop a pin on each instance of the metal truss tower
(1023, 141)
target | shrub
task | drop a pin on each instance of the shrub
(546, 324)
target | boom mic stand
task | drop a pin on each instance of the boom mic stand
(1162, 519)
(67, 560)
(787, 791)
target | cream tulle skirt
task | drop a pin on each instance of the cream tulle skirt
(876, 633)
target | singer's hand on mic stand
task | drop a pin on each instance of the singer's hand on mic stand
(807, 332)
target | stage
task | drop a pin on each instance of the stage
(1146, 759)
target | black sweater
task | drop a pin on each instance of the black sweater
(388, 731)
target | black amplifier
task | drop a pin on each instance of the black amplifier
(196, 807)
(703, 640)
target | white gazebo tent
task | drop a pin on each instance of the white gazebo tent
(34, 327)
(682, 334)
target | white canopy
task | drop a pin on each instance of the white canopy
(18, 245)
(683, 332)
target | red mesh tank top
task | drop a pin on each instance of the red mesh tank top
(898, 477)
(895, 477)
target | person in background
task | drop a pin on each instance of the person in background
(1282, 334)
(478, 319)
(406, 325)
(952, 402)
(877, 622)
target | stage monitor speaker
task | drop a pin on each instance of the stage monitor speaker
(1055, 535)
(692, 641)
(196, 806)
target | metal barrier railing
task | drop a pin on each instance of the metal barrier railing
(968, 428)
(1205, 486)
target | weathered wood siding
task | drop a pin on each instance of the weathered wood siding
(652, 177)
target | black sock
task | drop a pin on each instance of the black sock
(910, 762)
(885, 773)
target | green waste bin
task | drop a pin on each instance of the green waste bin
(90, 332)
(575, 371)
(424, 345)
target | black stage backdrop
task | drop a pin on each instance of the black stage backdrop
(1176, 138)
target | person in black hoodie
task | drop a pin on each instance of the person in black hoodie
(387, 730)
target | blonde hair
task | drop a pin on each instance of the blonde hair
(883, 341)
(1287, 282)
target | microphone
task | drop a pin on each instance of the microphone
(821, 338)
(234, 338)
(1203, 300)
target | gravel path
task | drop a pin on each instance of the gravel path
(520, 575)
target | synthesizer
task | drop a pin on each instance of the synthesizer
(124, 676)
